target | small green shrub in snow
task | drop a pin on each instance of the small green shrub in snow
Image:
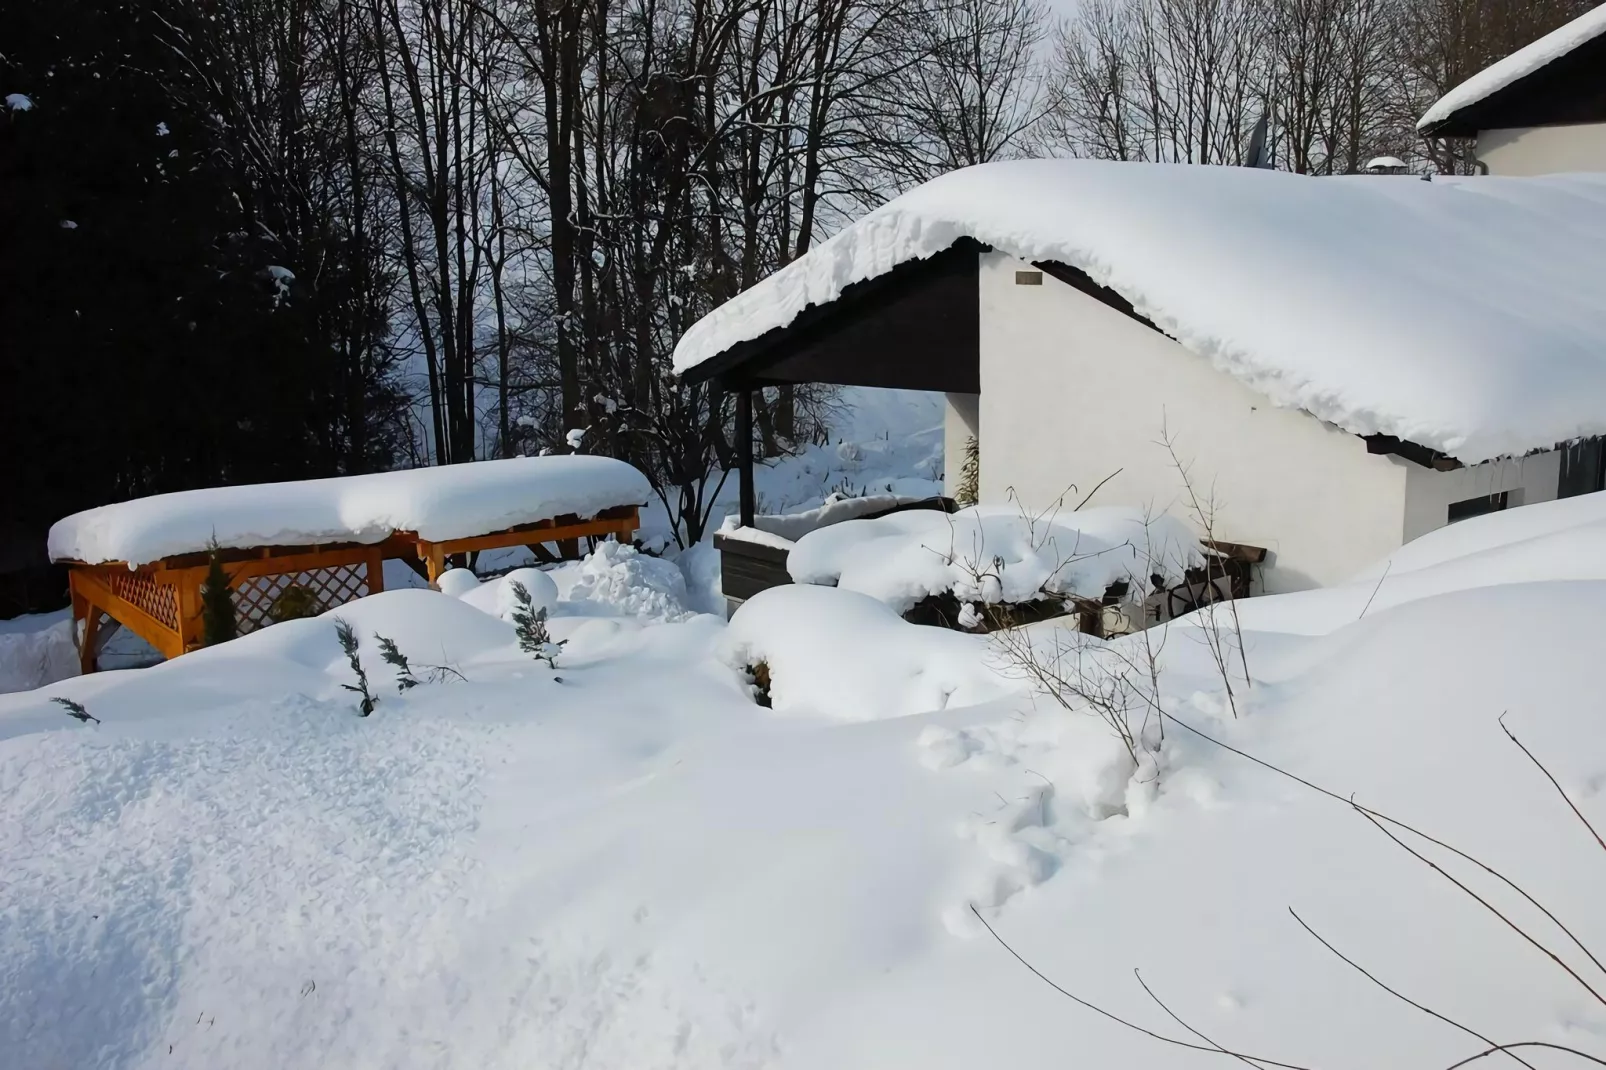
(529, 623)
(395, 658)
(348, 643)
(295, 602)
(76, 710)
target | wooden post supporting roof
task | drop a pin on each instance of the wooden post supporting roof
(744, 453)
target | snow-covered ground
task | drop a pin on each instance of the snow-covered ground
(625, 862)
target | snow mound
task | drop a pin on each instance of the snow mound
(1557, 541)
(843, 655)
(495, 596)
(457, 582)
(444, 502)
(619, 579)
(637, 868)
(1521, 63)
(1503, 355)
(994, 554)
(426, 625)
(34, 656)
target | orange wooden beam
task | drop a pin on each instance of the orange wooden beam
(97, 594)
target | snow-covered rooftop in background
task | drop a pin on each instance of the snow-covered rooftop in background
(1521, 63)
(1462, 315)
(446, 502)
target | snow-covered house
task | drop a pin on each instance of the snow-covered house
(1541, 110)
(1339, 364)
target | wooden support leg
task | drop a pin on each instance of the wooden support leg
(569, 549)
(435, 557)
(87, 654)
(744, 455)
(187, 597)
(375, 567)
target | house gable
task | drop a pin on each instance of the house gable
(913, 328)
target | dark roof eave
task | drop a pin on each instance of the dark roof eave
(754, 349)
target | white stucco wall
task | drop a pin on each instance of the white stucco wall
(1429, 494)
(1072, 390)
(1543, 150)
(959, 422)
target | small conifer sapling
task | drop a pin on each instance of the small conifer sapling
(395, 658)
(217, 602)
(348, 643)
(529, 623)
(76, 710)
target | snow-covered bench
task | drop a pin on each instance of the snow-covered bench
(142, 562)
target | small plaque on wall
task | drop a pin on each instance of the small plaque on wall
(1028, 278)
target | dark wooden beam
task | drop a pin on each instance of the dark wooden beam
(916, 327)
(1410, 451)
(744, 454)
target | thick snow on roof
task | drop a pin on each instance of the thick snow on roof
(447, 502)
(1463, 315)
(1521, 63)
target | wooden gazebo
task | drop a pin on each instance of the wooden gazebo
(153, 588)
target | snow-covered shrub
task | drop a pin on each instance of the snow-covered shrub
(457, 582)
(624, 580)
(846, 656)
(540, 588)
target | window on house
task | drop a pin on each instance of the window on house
(1488, 503)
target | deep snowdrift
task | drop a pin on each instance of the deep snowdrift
(1368, 328)
(636, 866)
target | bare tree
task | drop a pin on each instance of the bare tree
(978, 94)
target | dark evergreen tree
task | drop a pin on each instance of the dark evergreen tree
(218, 622)
(168, 323)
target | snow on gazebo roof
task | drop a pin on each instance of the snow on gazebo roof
(1465, 316)
(441, 503)
(1515, 67)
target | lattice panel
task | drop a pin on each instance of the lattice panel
(157, 599)
(255, 598)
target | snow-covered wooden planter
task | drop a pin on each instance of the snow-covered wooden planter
(322, 543)
(979, 569)
(753, 558)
